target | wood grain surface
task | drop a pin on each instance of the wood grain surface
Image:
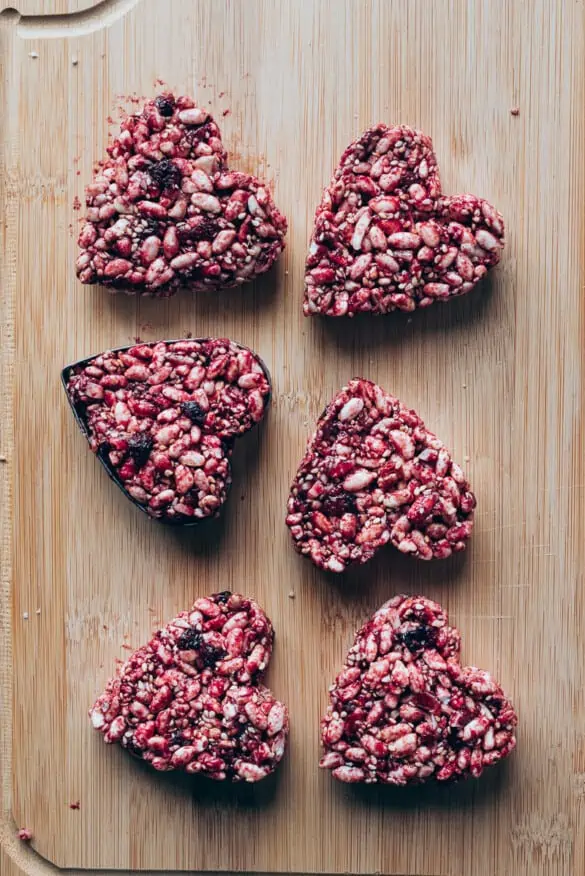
(498, 375)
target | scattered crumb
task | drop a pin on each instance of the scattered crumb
(242, 498)
(25, 615)
(38, 611)
(466, 458)
(221, 94)
(151, 609)
(74, 61)
(515, 111)
(25, 834)
(76, 203)
(188, 334)
(3, 459)
(76, 805)
(464, 385)
(226, 112)
(286, 273)
(127, 646)
(33, 55)
(137, 339)
(291, 595)
(105, 628)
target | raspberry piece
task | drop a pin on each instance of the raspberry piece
(403, 710)
(163, 419)
(164, 210)
(385, 238)
(372, 474)
(192, 698)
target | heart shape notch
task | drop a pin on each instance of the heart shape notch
(386, 238)
(403, 710)
(163, 418)
(192, 698)
(164, 210)
(372, 474)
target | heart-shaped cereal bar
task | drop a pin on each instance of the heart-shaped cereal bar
(164, 210)
(372, 474)
(403, 710)
(192, 699)
(385, 238)
(163, 418)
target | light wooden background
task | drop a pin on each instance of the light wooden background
(498, 375)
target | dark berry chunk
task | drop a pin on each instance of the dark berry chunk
(165, 105)
(194, 411)
(165, 174)
(420, 637)
(139, 447)
(338, 502)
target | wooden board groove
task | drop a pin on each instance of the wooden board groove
(498, 375)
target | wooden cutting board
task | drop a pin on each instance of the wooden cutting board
(498, 375)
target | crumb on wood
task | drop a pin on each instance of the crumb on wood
(76, 203)
(75, 805)
(33, 55)
(3, 459)
(74, 61)
(25, 834)
(25, 615)
(38, 611)
(515, 111)
(292, 594)
(226, 112)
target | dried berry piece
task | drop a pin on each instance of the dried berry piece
(385, 238)
(373, 474)
(194, 411)
(165, 174)
(163, 417)
(165, 104)
(192, 697)
(139, 448)
(164, 210)
(401, 717)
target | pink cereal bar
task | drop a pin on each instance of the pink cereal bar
(164, 210)
(192, 698)
(372, 474)
(385, 237)
(163, 419)
(403, 710)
